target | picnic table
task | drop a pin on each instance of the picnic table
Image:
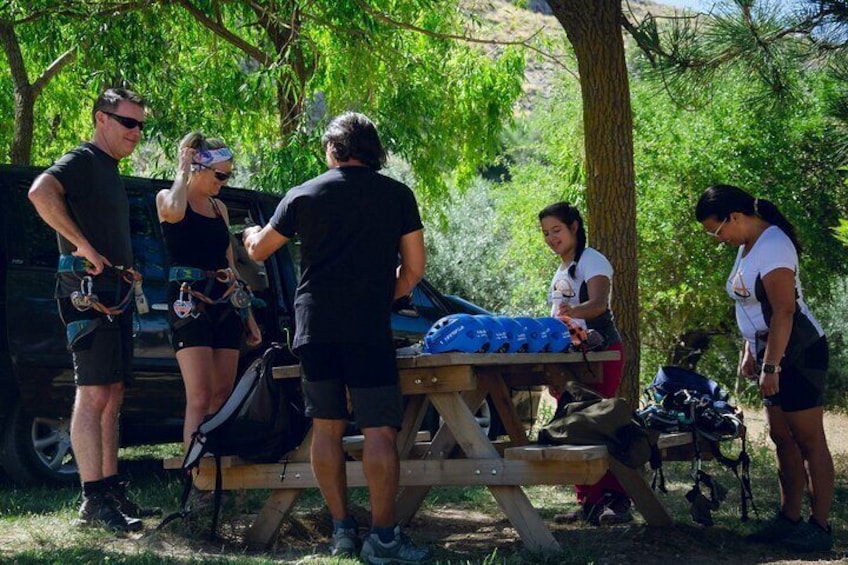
(460, 453)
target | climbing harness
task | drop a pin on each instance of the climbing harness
(238, 293)
(85, 299)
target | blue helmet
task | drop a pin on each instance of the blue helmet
(537, 335)
(558, 337)
(457, 332)
(498, 339)
(515, 333)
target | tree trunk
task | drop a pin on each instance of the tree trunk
(283, 28)
(594, 29)
(20, 152)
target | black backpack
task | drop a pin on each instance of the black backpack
(680, 400)
(261, 421)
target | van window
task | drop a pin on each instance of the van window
(30, 241)
(148, 253)
(250, 271)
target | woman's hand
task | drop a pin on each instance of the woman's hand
(186, 160)
(565, 309)
(254, 335)
(769, 384)
(748, 368)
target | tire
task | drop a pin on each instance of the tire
(37, 450)
(486, 416)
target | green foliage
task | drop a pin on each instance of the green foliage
(439, 103)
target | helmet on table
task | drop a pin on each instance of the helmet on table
(498, 339)
(559, 339)
(515, 333)
(456, 332)
(537, 335)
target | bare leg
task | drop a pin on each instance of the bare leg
(196, 367)
(790, 463)
(109, 431)
(808, 430)
(89, 404)
(381, 465)
(328, 464)
(224, 367)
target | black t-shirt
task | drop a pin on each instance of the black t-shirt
(350, 221)
(97, 202)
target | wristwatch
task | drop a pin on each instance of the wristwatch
(768, 368)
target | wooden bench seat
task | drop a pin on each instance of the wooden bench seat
(352, 445)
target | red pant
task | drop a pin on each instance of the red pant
(613, 371)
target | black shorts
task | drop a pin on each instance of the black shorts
(369, 373)
(217, 326)
(802, 381)
(103, 356)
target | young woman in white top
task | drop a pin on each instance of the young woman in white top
(584, 281)
(785, 350)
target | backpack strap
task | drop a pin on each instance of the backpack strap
(184, 511)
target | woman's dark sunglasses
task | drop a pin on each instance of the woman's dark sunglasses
(129, 123)
(220, 175)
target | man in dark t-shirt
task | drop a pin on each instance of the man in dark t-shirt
(352, 223)
(82, 197)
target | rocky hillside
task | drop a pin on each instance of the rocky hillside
(551, 61)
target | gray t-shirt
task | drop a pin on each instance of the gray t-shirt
(97, 202)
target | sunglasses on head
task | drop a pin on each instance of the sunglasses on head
(129, 123)
(220, 175)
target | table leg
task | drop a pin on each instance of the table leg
(645, 499)
(495, 386)
(410, 499)
(267, 524)
(512, 499)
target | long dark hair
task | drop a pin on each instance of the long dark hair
(721, 200)
(568, 214)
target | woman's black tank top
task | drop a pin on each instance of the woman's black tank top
(197, 241)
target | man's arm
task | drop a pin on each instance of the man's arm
(261, 243)
(48, 196)
(412, 262)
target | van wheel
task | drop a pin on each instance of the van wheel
(38, 449)
(487, 418)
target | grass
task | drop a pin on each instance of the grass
(463, 525)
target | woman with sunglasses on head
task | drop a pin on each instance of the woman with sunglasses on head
(581, 289)
(785, 350)
(208, 307)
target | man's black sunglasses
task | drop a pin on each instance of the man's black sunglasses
(129, 123)
(220, 175)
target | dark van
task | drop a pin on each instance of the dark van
(36, 377)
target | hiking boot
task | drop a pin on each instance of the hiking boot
(581, 514)
(399, 550)
(118, 492)
(344, 542)
(808, 537)
(616, 511)
(101, 510)
(777, 529)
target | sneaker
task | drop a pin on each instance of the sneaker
(808, 537)
(616, 511)
(777, 529)
(344, 542)
(118, 492)
(400, 550)
(101, 510)
(581, 514)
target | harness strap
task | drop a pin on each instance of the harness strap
(78, 329)
(79, 266)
